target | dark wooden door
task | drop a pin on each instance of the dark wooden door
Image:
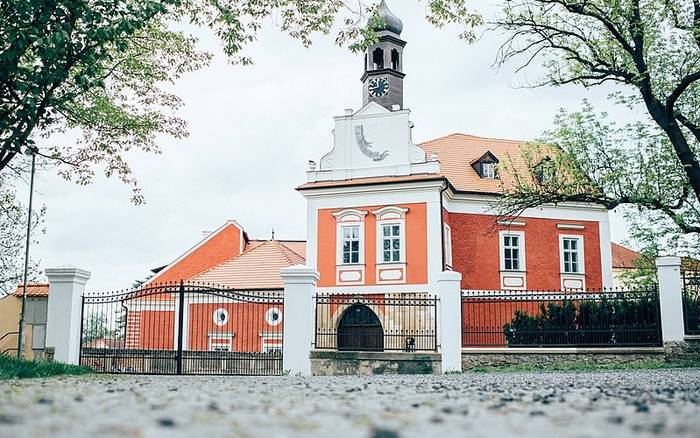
(360, 330)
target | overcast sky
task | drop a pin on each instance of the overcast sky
(253, 129)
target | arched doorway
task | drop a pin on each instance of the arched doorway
(360, 330)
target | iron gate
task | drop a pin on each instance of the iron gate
(184, 328)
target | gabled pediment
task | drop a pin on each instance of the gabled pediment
(372, 108)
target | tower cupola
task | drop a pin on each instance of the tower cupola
(383, 76)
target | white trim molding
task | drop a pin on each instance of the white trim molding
(448, 245)
(573, 280)
(512, 279)
(350, 215)
(571, 226)
(391, 271)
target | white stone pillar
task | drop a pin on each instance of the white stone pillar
(450, 293)
(670, 295)
(66, 287)
(299, 289)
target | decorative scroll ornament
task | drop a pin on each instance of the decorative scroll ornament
(366, 146)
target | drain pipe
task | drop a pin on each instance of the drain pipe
(442, 224)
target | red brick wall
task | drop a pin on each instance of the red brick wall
(475, 251)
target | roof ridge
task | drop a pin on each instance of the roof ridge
(472, 136)
(290, 249)
(245, 252)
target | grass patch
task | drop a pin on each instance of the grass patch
(13, 368)
(645, 365)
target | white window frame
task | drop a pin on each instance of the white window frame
(220, 340)
(391, 215)
(216, 320)
(350, 218)
(360, 237)
(380, 242)
(521, 250)
(581, 254)
(448, 245)
(492, 170)
(271, 341)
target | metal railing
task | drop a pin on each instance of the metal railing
(404, 322)
(691, 302)
(183, 328)
(601, 318)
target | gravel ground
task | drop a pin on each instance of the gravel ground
(610, 404)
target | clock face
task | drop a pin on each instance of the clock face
(378, 87)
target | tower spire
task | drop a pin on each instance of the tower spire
(383, 76)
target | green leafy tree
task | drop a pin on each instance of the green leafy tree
(97, 67)
(95, 327)
(13, 234)
(649, 51)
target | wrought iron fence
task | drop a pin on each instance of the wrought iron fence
(378, 322)
(602, 318)
(186, 328)
(691, 302)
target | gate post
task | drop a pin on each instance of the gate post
(450, 293)
(671, 299)
(299, 288)
(64, 319)
(180, 324)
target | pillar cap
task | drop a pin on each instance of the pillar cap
(299, 274)
(668, 262)
(67, 274)
(450, 276)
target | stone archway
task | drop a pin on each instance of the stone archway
(360, 330)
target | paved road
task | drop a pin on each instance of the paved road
(612, 404)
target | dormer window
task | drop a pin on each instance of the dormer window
(485, 166)
(488, 170)
(544, 171)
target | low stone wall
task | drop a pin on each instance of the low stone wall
(493, 357)
(334, 363)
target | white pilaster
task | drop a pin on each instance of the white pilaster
(450, 293)
(670, 295)
(299, 288)
(66, 287)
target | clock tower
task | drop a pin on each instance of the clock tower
(383, 77)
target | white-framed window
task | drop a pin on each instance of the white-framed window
(220, 342)
(350, 237)
(391, 234)
(273, 316)
(512, 248)
(350, 245)
(392, 242)
(488, 170)
(448, 245)
(571, 254)
(220, 317)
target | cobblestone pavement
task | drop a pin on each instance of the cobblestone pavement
(610, 404)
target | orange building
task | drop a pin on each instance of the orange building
(387, 215)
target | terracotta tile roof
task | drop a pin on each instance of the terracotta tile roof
(298, 246)
(33, 290)
(457, 152)
(256, 268)
(217, 247)
(623, 258)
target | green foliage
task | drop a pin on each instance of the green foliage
(13, 234)
(13, 368)
(605, 322)
(650, 53)
(98, 67)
